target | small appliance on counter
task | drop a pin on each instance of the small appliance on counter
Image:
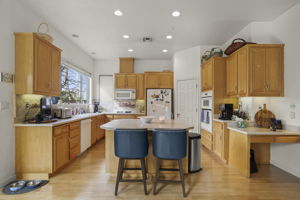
(96, 106)
(62, 113)
(226, 111)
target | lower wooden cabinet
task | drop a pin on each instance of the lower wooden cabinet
(74, 136)
(61, 146)
(221, 140)
(97, 132)
(207, 139)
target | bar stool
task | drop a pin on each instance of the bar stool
(131, 144)
(169, 145)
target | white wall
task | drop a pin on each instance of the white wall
(110, 67)
(281, 30)
(14, 17)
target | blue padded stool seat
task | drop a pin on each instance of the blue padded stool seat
(131, 144)
(169, 145)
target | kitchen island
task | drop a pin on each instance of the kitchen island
(111, 161)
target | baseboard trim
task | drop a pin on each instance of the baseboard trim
(285, 168)
(7, 180)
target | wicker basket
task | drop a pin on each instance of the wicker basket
(45, 35)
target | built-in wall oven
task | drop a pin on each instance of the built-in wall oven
(206, 110)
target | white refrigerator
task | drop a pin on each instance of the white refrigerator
(160, 103)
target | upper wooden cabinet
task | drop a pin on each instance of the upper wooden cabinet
(125, 81)
(213, 74)
(37, 65)
(126, 65)
(140, 90)
(207, 75)
(256, 70)
(159, 80)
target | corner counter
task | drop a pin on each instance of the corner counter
(111, 161)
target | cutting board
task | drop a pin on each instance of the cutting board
(263, 116)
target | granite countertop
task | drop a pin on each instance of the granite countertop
(262, 131)
(74, 118)
(137, 124)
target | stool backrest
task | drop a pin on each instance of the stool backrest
(169, 144)
(131, 143)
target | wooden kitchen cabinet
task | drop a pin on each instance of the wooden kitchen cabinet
(159, 80)
(37, 65)
(74, 135)
(61, 148)
(94, 130)
(140, 87)
(126, 65)
(256, 70)
(221, 140)
(125, 81)
(207, 75)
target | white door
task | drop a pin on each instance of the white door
(187, 103)
(106, 93)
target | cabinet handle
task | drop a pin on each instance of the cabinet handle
(236, 88)
(49, 85)
(267, 86)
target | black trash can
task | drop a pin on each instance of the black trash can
(194, 162)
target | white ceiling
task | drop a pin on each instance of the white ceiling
(202, 22)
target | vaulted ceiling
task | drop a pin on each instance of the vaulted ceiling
(202, 22)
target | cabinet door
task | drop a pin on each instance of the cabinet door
(274, 72)
(94, 131)
(207, 76)
(126, 65)
(140, 87)
(120, 81)
(218, 139)
(152, 80)
(257, 71)
(166, 80)
(131, 81)
(56, 72)
(242, 72)
(61, 150)
(232, 74)
(42, 67)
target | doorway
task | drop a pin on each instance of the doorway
(187, 103)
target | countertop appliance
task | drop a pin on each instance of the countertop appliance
(160, 103)
(125, 94)
(45, 110)
(206, 111)
(85, 134)
(226, 111)
(62, 113)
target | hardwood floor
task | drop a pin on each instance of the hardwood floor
(85, 179)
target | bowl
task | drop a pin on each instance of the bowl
(16, 186)
(33, 184)
(146, 119)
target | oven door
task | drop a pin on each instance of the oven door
(206, 120)
(206, 102)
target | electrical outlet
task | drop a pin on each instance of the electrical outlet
(4, 105)
(6, 77)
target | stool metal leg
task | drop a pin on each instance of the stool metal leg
(143, 164)
(181, 177)
(119, 174)
(156, 175)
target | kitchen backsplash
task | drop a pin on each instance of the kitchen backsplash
(27, 106)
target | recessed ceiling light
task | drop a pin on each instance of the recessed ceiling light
(165, 50)
(93, 53)
(125, 36)
(118, 13)
(169, 37)
(75, 35)
(176, 14)
(130, 50)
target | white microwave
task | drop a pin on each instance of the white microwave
(125, 94)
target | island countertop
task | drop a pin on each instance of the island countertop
(137, 124)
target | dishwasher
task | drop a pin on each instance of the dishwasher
(85, 134)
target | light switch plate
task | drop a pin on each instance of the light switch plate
(4, 105)
(6, 77)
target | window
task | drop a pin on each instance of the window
(75, 86)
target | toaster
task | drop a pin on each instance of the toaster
(62, 113)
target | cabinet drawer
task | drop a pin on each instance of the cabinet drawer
(205, 134)
(124, 116)
(74, 132)
(60, 130)
(75, 125)
(74, 152)
(207, 143)
(287, 139)
(75, 141)
(218, 126)
(262, 139)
